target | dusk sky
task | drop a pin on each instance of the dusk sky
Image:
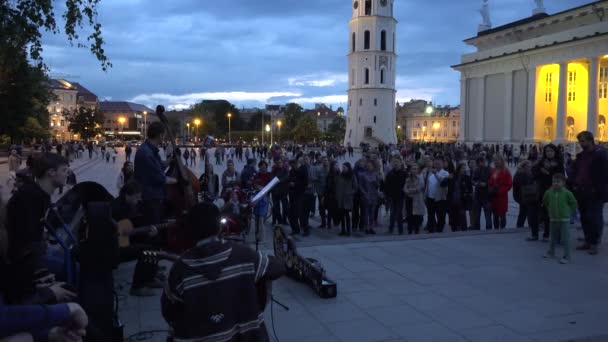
(253, 52)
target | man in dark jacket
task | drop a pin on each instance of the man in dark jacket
(481, 200)
(150, 174)
(587, 178)
(393, 189)
(279, 193)
(230, 279)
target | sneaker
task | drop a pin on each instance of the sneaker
(142, 292)
(532, 238)
(593, 250)
(583, 247)
(549, 255)
(563, 261)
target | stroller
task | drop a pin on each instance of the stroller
(235, 221)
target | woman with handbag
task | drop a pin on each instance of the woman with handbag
(499, 184)
(526, 194)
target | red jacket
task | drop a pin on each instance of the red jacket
(502, 181)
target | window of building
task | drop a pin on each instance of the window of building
(453, 123)
(445, 133)
(424, 124)
(366, 76)
(368, 8)
(549, 87)
(374, 119)
(381, 76)
(366, 38)
(383, 40)
(415, 134)
(354, 41)
(375, 102)
(62, 123)
(360, 102)
(571, 86)
(418, 124)
(603, 82)
(359, 119)
(350, 102)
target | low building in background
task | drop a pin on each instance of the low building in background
(419, 120)
(125, 120)
(69, 96)
(324, 115)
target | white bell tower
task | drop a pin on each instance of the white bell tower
(371, 74)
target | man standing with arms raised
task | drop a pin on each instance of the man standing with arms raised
(150, 174)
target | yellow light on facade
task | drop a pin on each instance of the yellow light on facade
(429, 110)
(318, 113)
(197, 122)
(267, 128)
(229, 115)
(436, 125)
(122, 120)
(399, 127)
(279, 123)
(605, 57)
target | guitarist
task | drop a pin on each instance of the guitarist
(223, 276)
(126, 207)
(150, 174)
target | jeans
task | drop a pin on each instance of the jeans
(458, 219)
(396, 205)
(530, 212)
(323, 212)
(436, 215)
(345, 220)
(592, 219)
(368, 208)
(357, 213)
(560, 229)
(478, 205)
(278, 215)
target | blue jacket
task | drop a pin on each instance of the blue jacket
(150, 172)
(261, 208)
(35, 319)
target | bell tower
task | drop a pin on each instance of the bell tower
(371, 74)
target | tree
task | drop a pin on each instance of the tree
(306, 130)
(22, 23)
(293, 114)
(24, 93)
(337, 129)
(86, 122)
(33, 130)
(255, 123)
(216, 111)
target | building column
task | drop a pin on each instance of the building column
(508, 106)
(462, 133)
(562, 103)
(531, 105)
(481, 99)
(592, 109)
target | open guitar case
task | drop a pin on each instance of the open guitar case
(96, 251)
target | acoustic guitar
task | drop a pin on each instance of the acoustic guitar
(126, 229)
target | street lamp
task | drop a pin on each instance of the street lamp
(279, 124)
(122, 124)
(197, 122)
(436, 126)
(429, 110)
(229, 115)
(398, 132)
(188, 130)
(145, 123)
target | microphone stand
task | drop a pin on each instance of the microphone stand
(285, 307)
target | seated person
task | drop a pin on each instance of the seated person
(59, 322)
(126, 207)
(222, 275)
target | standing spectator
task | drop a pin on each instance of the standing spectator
(516, 154)
(114, 154)
(230, 179)
(346, 187)
(481, 199)
(14, 162)
(260, 212)
(589, 183)
(499, 185)
(526, 194)
(280, 205)
(298, 180)
(550, 163)
(460, 191)
(414, 190)
(561, 204)
(329, 200)
(186, 155)
(369, 185)
(321, 172)
(436, 191)
(192, 157)
(126, 175)
(263, 175)
(393, 190)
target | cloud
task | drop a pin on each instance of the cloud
(318, 80)
(328, 99)
(184, 101)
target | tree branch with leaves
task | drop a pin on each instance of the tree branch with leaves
(86, 122)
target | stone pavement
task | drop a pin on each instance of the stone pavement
(467, 286)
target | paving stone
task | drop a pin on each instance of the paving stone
(494, 333)
(364, 330)
(428, 332)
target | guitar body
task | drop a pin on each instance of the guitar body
(126, 229)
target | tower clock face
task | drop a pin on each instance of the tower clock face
(356, 4)
(383, 2)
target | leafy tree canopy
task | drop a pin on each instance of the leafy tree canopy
(22, 23)
(336, 130)
(217, 111)
(86, 122)
(293, 114)
(306, 130)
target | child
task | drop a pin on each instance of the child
(560, 204)
(260, 211)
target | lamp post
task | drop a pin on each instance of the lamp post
(145, 123)
(279, 123)
(122, 124)
(398, 132)
(188, 131)
(197, 122)
(268, 130)
(229, 115)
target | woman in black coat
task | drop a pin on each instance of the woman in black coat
(551, 163)
(460, 197)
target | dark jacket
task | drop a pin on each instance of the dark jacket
(149, 172)
(283, 187)
(598, 170)
(299, 180)
(466, 190)
(228, 279)
(520, 180)
(544, 175)
(481, 175)
(394, 183)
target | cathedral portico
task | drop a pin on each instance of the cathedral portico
(547, 86)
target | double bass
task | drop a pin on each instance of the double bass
(181, 196)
